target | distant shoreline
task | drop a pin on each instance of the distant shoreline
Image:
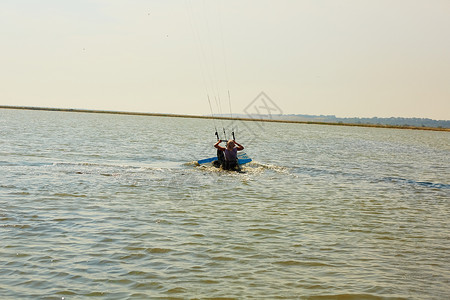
(92, 111)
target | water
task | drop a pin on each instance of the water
(112, 206)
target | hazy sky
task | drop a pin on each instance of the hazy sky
(346, 58)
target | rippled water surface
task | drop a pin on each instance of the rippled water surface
(112, 206)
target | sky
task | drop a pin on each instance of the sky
(349, 58)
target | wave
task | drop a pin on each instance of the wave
(272, 167)
(161, 166)
(370, 178)
(251, 168)
(25, 164)
(417, 183)
(350, 297)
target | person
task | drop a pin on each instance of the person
(227, 157)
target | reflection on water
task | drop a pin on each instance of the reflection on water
(113, 206)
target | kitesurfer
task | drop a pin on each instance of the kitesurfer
(227, 157)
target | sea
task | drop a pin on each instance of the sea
(110, 206)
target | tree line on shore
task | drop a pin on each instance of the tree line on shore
(392, 121)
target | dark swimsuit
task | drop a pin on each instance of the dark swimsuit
(227, 159)
(230, 162)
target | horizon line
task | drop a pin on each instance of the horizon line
(148, 114)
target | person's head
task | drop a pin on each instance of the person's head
(230, 144)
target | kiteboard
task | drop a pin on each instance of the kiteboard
(243, 158)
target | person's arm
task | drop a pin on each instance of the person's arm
(239, 146)
(216, 145)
